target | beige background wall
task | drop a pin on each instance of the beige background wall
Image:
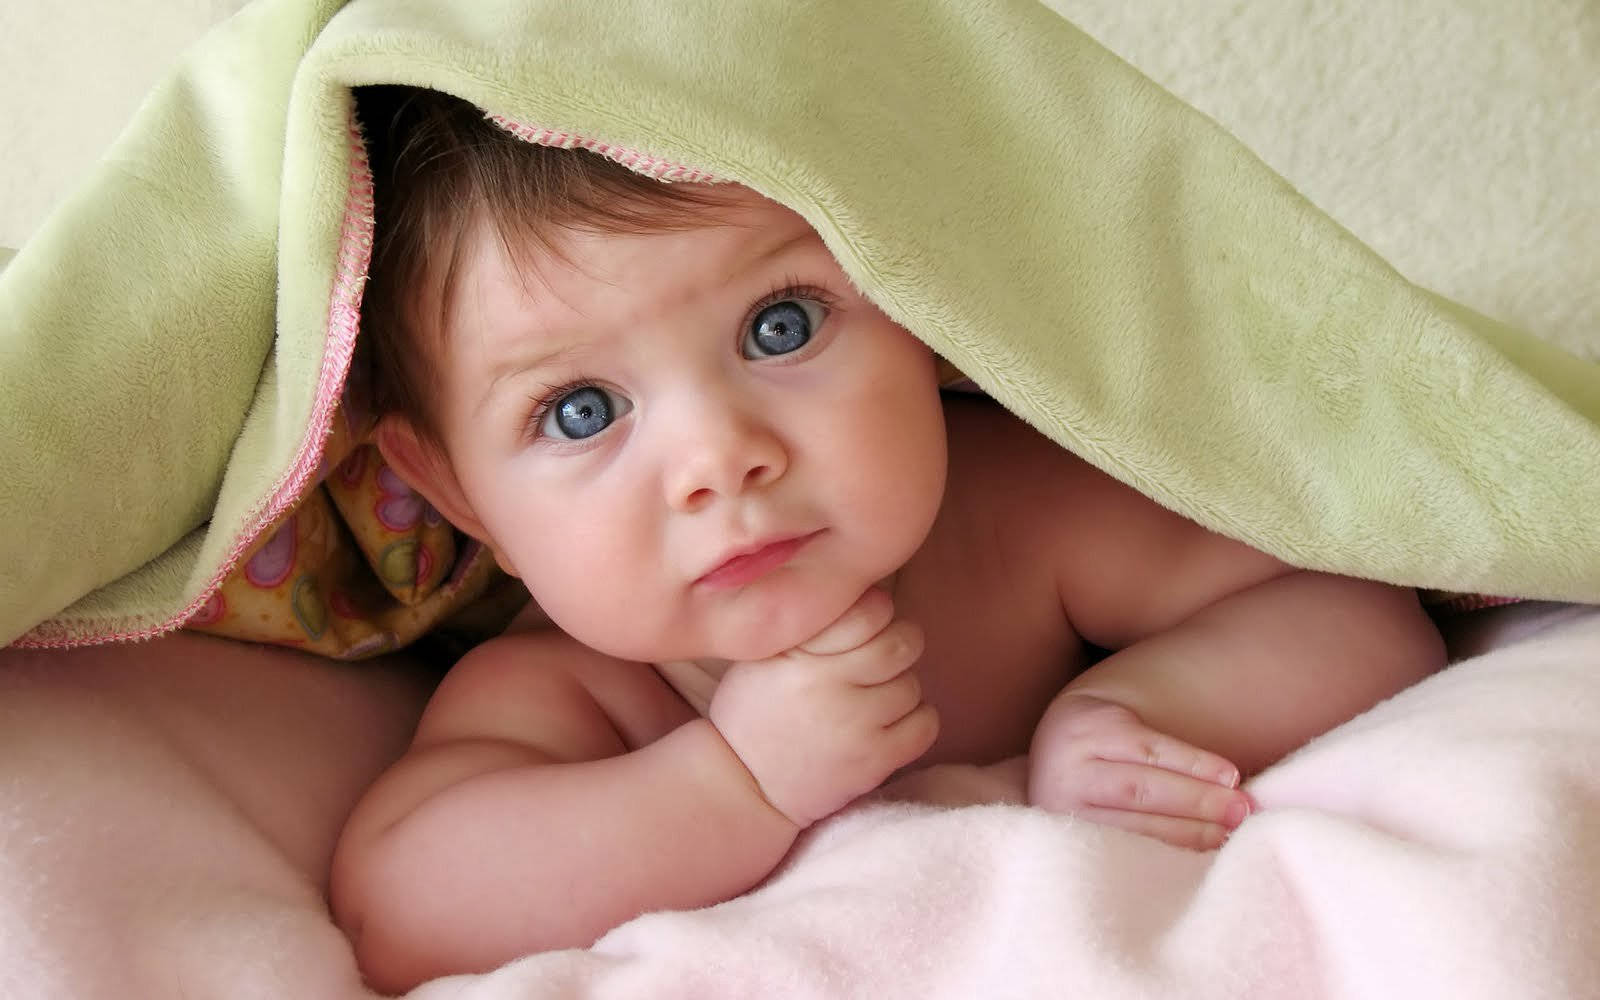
(71, 73)
(1458, 138)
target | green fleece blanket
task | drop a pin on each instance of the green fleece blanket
(1098, 256)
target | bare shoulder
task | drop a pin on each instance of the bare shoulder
(1000, 464)
(1124, 565)
(545, 689)
(979, 426)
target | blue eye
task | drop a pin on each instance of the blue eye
(782, 328)
(583, 413)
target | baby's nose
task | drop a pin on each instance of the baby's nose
(731, 453)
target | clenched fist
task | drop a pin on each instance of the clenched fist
(826, 722)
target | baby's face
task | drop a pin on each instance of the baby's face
(691, 444)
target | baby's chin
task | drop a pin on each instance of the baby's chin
(758, 624)
(748, 649)
(741, 638)
(743, 642)
(762, 636)
(735, 648)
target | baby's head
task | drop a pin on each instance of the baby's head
(664, 407)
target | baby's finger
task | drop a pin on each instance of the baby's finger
(1147, 746)
(1155, 790)
(868, 616)
(1191, 833)
(911, 737)
(895, 698)
(882, 658)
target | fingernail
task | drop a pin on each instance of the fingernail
(1238, 809)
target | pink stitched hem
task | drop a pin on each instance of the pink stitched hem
(344, 320)
(650, 166)
(1474, 602)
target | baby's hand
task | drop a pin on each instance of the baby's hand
(829, 720)
(1096, 759)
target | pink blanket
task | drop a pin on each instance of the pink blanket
(1445, 844)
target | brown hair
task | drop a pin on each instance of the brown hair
(441, 167)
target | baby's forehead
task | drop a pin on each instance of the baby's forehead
(742, 233)
(558, 283)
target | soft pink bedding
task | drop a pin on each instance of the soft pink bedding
(163, 836)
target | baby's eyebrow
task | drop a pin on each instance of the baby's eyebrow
(804, 235)
(516, 365)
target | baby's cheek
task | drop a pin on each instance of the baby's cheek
(556, 577)
(607, 609)
(910, 490)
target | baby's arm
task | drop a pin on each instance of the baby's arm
(1247, 679)
(553, 793)
(1227, 661)
(535, 810)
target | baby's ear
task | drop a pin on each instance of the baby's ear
(424, 467)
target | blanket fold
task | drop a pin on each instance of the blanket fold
(1104, 260)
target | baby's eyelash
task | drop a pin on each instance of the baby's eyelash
(792, 288)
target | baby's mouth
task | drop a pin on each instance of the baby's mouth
(750, 563)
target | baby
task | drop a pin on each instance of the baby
(783, 566)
